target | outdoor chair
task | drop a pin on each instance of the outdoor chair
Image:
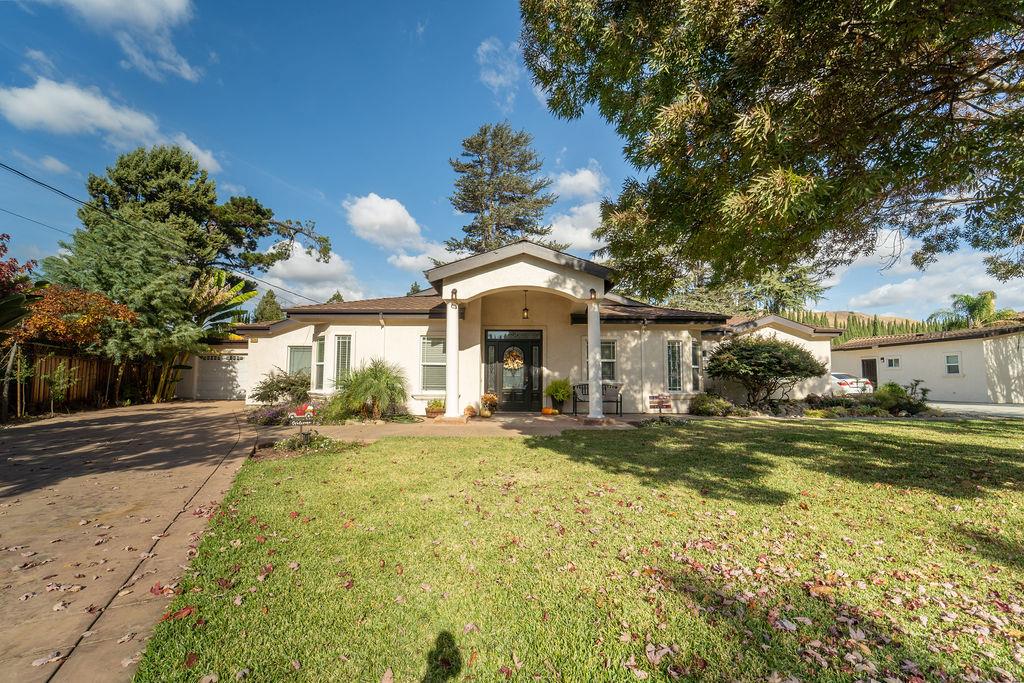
(610, 393)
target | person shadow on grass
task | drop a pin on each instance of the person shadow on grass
(444, 662)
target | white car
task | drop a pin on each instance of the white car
(844, 384)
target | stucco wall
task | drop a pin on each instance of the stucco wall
(641, 353)
(927, 362)
(1004, 368)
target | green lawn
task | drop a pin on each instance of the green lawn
(716, 550)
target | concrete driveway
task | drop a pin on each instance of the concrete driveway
(980, 409)
(98, 512)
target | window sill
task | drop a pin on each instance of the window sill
(428, 395)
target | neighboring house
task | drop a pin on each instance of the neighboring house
(982, 365)
(817, 340)
(466, 336)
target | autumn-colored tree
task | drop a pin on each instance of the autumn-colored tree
(71, 317)
(14, 276)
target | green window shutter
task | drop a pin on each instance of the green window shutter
(300, 359)
(433, 361)
(342, 357)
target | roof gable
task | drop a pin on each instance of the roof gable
(436, 276)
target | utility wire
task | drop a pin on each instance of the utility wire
(70, 234)
(114, 216)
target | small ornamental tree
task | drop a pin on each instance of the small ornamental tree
(764, 367)
(72, 317)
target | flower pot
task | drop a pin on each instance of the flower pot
(435, 412)
(485, 412)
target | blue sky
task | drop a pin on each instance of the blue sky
(343, 113)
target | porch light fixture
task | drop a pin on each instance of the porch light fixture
(593, 294)
(455, 298)
(526, 310)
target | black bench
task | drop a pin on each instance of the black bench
(610, 393)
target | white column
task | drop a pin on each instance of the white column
(451, 347)
(594, 359)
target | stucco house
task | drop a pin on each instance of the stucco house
(507, 322)
(984, 365)
(816, 339)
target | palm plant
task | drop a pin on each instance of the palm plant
(374, 388)
(968, 310)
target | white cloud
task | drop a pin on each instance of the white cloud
(387, 223)
(959, 272)
(39, 63)
(302, 273)
(577, 227)
(500, 70)
(232, 188)
(69, 109)
(584, 182)
(382, 220)
(203, 156)
(143, 30)
(419, 261)
(46, 162)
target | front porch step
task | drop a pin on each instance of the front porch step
(460, 420)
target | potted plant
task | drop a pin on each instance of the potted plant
(435, 407)
(488, 404)
(559, 391)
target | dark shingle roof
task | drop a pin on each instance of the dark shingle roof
(416, 304)
(926, 337)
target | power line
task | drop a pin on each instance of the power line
(118, 218)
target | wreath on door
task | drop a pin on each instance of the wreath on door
(513, 359)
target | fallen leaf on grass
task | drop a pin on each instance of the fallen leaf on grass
(293, 566)
(209, 678)
(180, 614)
(469, 628)
(388, 677)
(190, 660)
(296, 665)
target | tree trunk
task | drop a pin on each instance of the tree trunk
(17, 391)
(117, 382)
(158, 395)
(9, 366)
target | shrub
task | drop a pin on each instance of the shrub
(277, 386)
(898, 399)
(335, 411)
(559, 391)
(310, 441)
(375, 388)
(489, 400)
(270, 415)
(711, 405)
(764, 367)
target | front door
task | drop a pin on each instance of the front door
(512, 359)
(869, 370)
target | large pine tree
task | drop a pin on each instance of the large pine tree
(500, 185)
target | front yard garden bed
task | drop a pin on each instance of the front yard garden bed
(715, 550)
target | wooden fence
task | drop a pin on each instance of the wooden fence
(91, 376)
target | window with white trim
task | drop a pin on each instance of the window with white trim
(674, 364)
(318, 359)
(695, 358)
(433, 363)
(893, 363)
(952, 363)
(299, 359)
(608, 360)
(342, 357)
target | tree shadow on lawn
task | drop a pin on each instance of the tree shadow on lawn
(782, 628)
(730, 458)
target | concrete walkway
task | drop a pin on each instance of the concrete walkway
(980, 409)
(508, 425)
(96, 509)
